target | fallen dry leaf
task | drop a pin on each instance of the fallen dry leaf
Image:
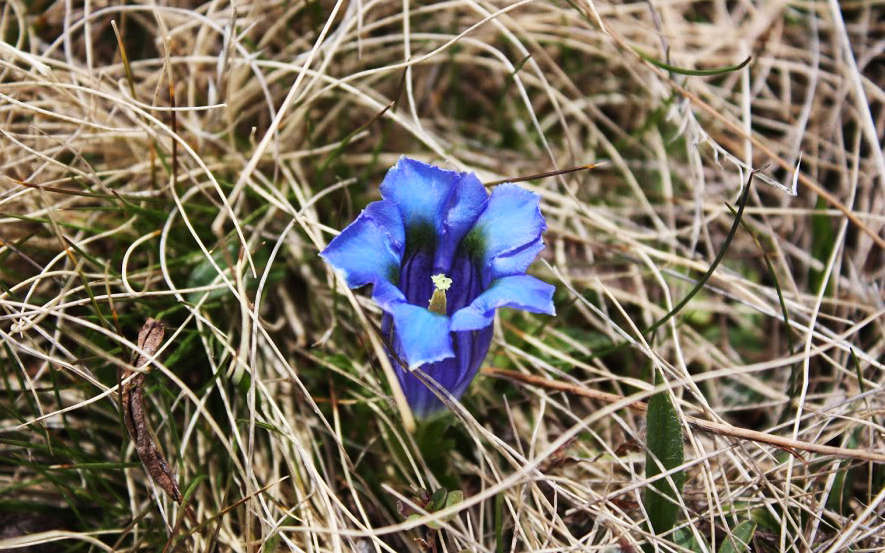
(134, 417)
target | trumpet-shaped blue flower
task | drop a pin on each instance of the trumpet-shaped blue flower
(442, 254)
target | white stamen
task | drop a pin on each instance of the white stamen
(441, 282)
(438, 300)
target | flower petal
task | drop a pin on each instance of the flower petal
(471, 348)
(369, 249)
(445, 203)
(519, 291)
(510, 223)
(467, 202)
(454, 374)
(517, 261)
(414, 277)
(421, 335)
(386, 295)
(386, 215)
(466, 283)
(421, 399)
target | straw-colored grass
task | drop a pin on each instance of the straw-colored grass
(206, 210)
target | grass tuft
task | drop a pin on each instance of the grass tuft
(186, 162)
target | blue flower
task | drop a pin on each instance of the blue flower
(442, 254)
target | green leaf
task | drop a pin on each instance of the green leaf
(840, 493)
(437, 500)
(684, 537)
(204, 273)
(692, 72)
(454, 498)
(823, 240)
(765, 519)
(742, 203)
(664, 453)
(436, 439)
(499, 524)
(739, 539)
(451, 498)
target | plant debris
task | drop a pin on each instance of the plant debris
(134, 416)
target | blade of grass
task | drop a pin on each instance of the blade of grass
(719, 256)
(692, 72)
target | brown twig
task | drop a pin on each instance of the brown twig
(546, 174)
(723, 429)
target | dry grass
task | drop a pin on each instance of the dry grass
(119, 204)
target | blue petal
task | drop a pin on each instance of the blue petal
(369, 249)
(445, 202)
(466, 283)
(454, 374)
(471, 348)
(387, 295)
(468, 200)
(519, 291)
(414, 277)
(386, 215)
(421, 399)
(511, 222)
(421, 336)
(517, 261)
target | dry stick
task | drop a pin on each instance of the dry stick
(59, 189)
(174, 130)
(715, 427)
(545, 174)
(127, 68)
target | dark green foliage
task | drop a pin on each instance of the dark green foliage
(664, 443)
(738, 540)
(823, 238)
(436, 441)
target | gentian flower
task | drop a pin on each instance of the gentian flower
(442, 254)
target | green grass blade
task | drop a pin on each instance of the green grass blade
(692, 72)
(719, 256)
(665, 452)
